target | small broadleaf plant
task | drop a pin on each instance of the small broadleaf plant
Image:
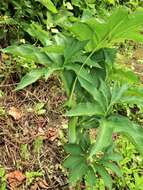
(83, 56)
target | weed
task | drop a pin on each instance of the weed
(30, 176)
(24, 152)
(2, 179)
(38, 143)
(39, 108)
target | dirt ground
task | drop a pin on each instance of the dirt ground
(32, 134)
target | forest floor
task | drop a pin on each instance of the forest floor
(32, 133)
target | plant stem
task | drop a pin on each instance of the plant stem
(99, 45)
(75, 81)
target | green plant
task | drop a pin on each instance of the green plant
(14, 12)
(2, 179)
(2, 111)
(24, 153)
(83, 56)
(31, 176)
(38, 143)
(131, 165)
(39, 108)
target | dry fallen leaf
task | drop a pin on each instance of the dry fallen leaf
(52, 134)
(15, 179)
(15, 113)
(34, 187)
(43, 184)
(41, 122)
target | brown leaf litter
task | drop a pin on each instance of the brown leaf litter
(19, 127)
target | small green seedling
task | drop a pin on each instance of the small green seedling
(39, 108)
(2, 178)
(31, 176)
(24, 152)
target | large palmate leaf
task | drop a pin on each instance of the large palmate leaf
(91, 177)
(73, 149)
(53, 49)
(50, 70)
(72, 131)
(117, 93)
(29, 52)
(133, 96)
(104, 96)
(104, 174)
(131, 25)
(105, 90)
(86, 109)
(49, 5)
(67, 78)
(37, 32)
(113, 167)
(84, 140)
(96, 94)
(73, 160)
(90, 123)
(114, 156)
(109, 55)
(30, 78)
(83, 73)
(36, 74)
(132, 100)
(104, 137)
(120, 25)
(132, 131)
(73, 47)
(80, 58)
(78, 172)
(82, 31)
(124, 76)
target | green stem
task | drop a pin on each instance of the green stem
(72, 125)
(99, 45)
(75, 81)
